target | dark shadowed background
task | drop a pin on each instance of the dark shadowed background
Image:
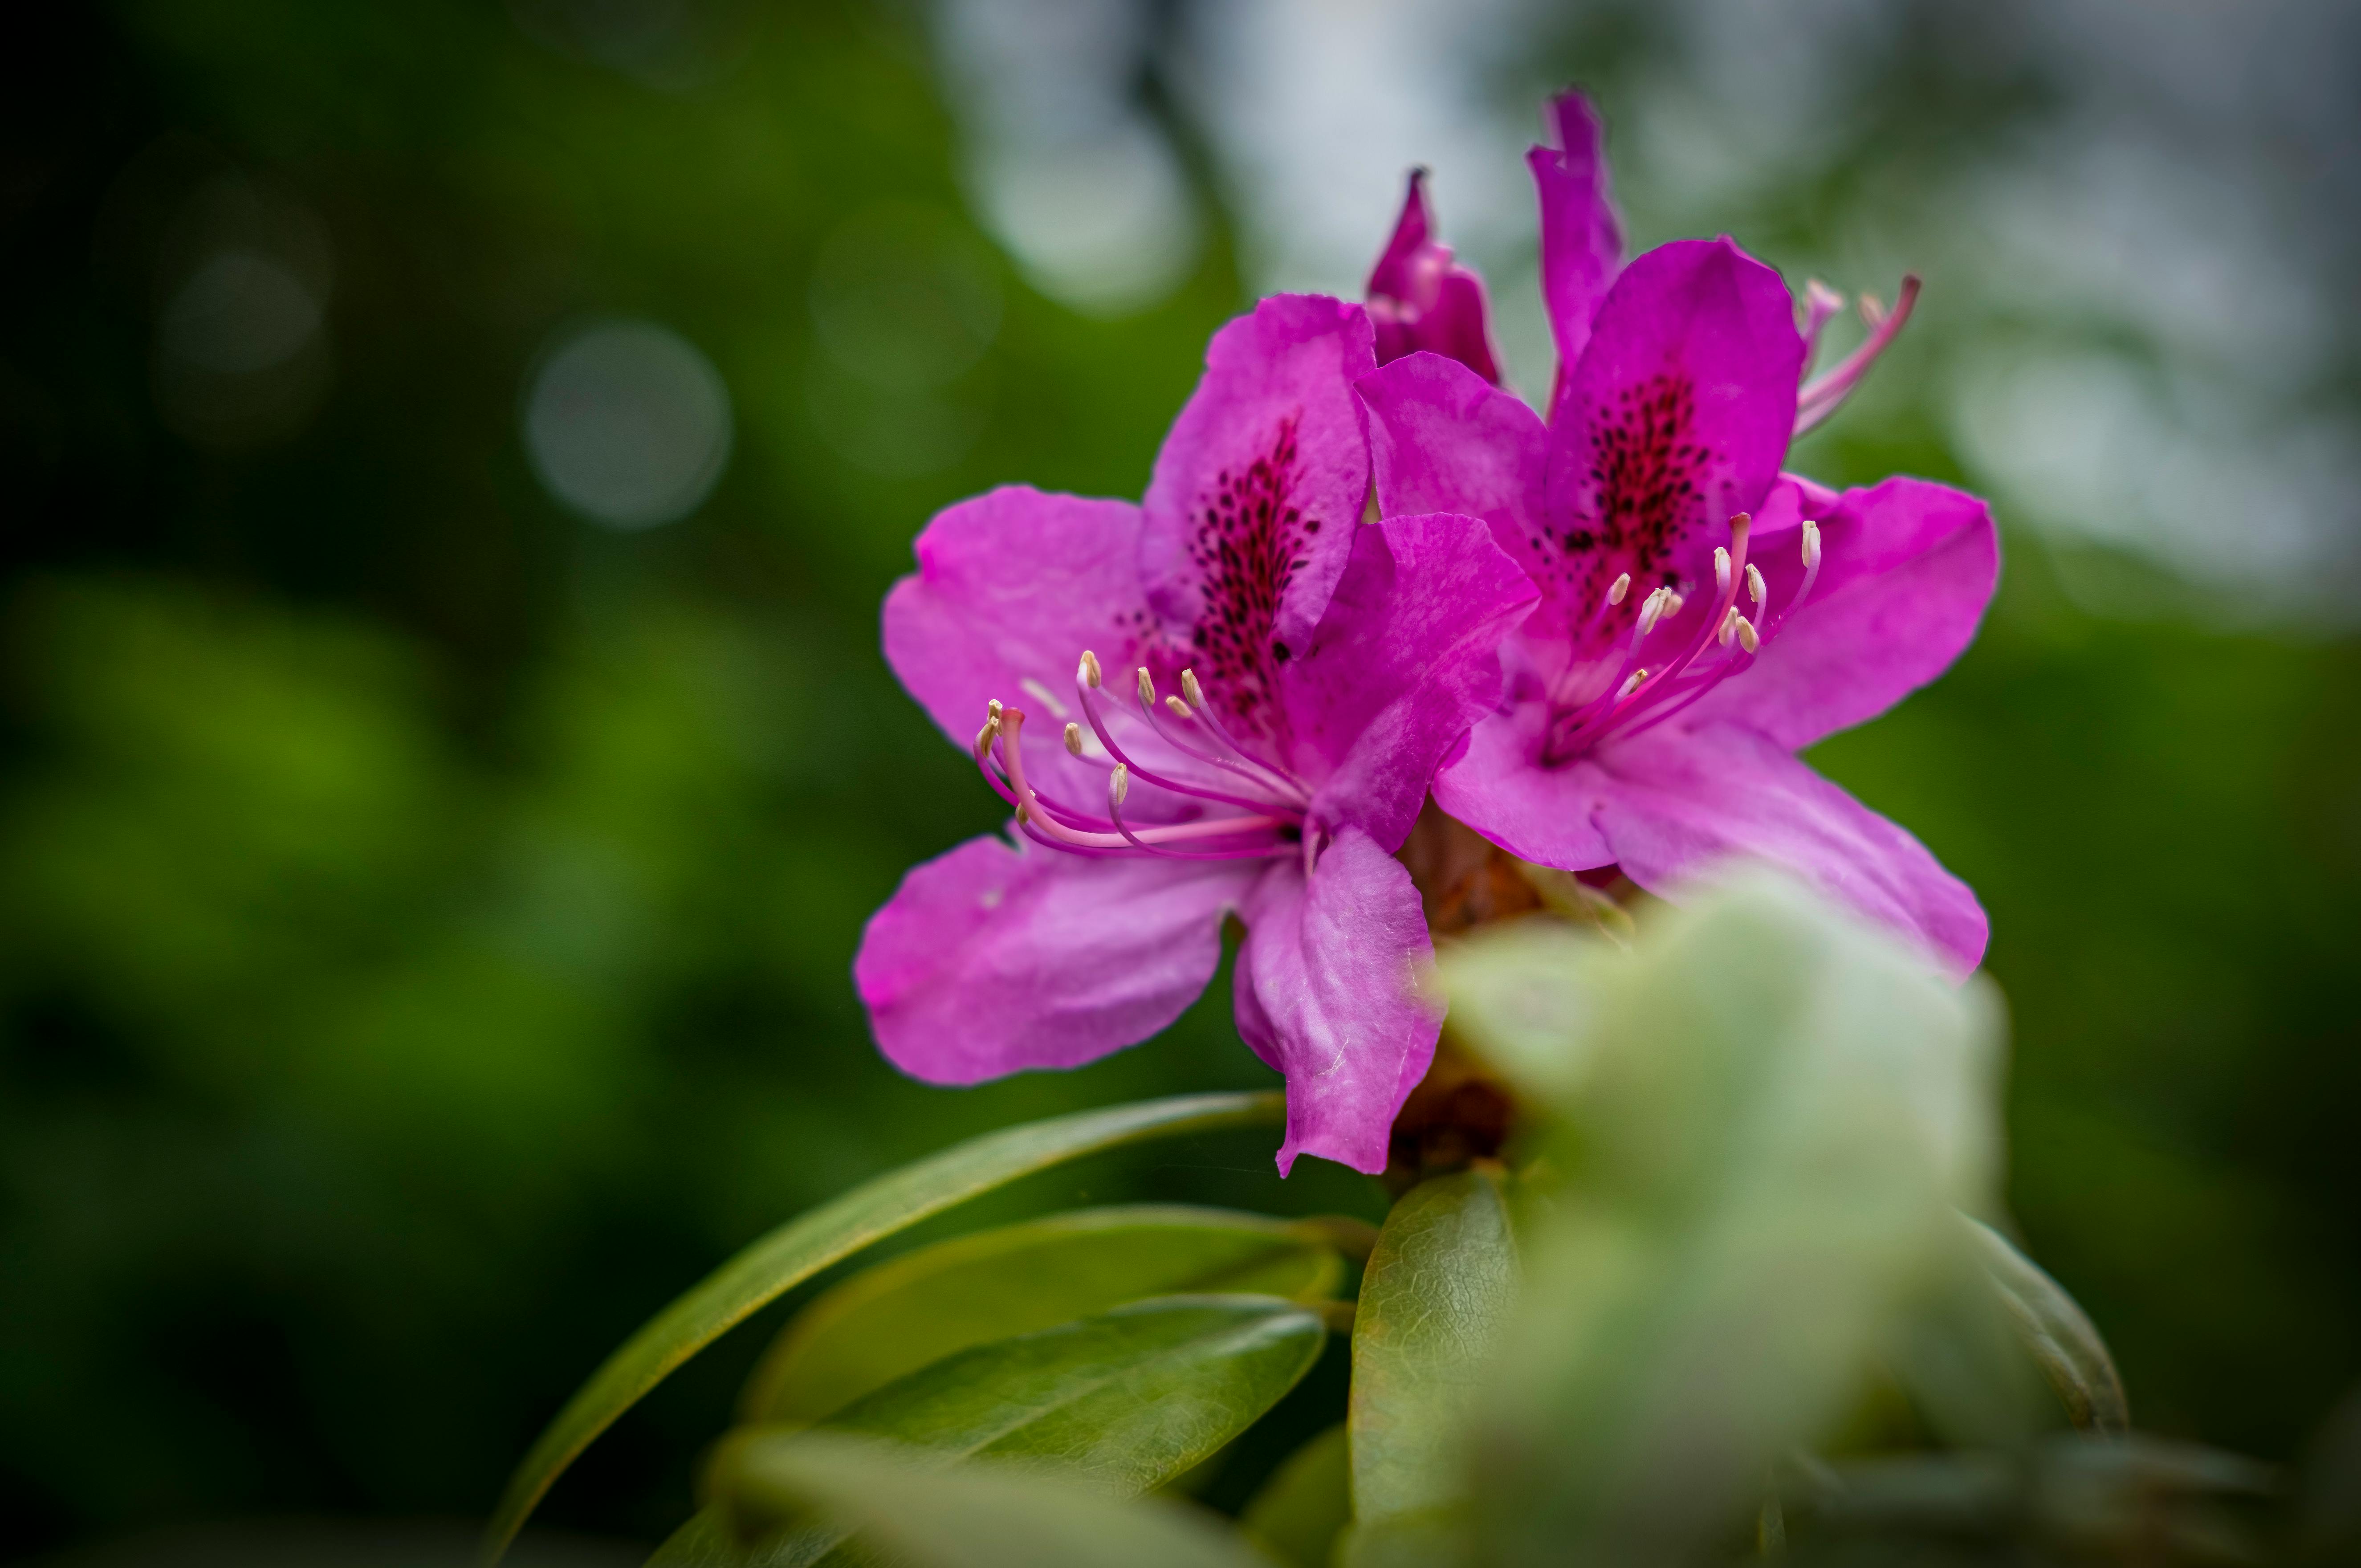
(450, 457)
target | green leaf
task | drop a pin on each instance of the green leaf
(1767, 1115)
(1436, 1299)
(972, 1290)
(2058, 1333)
(936, 1515)
(1126, 1401)
(1305, 1504)
(835, 1230)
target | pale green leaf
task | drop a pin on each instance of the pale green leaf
(972, 1290)
(1306, 1503)
(933, 1514)
(1437, 1296)
(837, 1229)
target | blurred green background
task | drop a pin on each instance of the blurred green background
(432, 848)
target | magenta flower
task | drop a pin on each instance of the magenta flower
(1228, 699)
(1703, 616)
(1421, 299)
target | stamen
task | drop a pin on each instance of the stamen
(989, 733)
(1821, 397)
(1631, 685)
(1146, 689)
(1754, 589)
(1673, 602)
(1873, 311)
(1118, 786)
(1088, 674)
(1191, 689)
(1729, 627)
(1748, 638)
(1720, 572)
(992, 707)
(1074, 739)
(1811, 544)
(1622, 585)
(1179, 708)
(1652, 608)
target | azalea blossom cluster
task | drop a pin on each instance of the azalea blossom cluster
(1365, 576)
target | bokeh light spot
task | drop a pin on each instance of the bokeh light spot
(626, 423)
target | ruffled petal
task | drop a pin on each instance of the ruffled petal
(1582, 241)
(1537, 814)
(1406, 659)
(1676, 802)
(1677, 419)
(990, 959)
(1906, 569)
(1250, 512)
(1011, 587)
(1422, 299)
(1332, 961)
(1443, 440)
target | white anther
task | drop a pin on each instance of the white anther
(1178, 707)
(1650, 609)
(1620, 587)
(1118, 786)
(1074, 739)
(1729, 627)
(1673, 602)
(1146, 689)
(989, 733)
(1088, 674)
(1872, 310)
(992, 707)
(1811, 543)
(1191, 689)
(1748, 638)
(1754, 589)
(1023, 815)
(1721, 571)
(1631, 685)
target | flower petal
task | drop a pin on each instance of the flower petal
(1906, 569)
(990, 959)
(1332, 961)
(1537, 814)
(1406, 659)
(1250, 512)
(1443, 440)
(1676, 802)
(1582, 242)
(1677, 418)
(1011, 587)
(1421, 299)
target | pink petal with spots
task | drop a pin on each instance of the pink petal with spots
(1677, 418)
(1582, 241)
(1422, 299)
(1406, 659)
(1011, 587)
(1250, 513)
(990, 959)
(1906, 569)
(1332, 962)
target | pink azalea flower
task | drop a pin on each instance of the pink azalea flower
(1230, 698)
(1703, 616)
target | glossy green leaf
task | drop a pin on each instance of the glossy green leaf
(972, 1290)
(1767, 1114)
(2055, 1332)
(1436, 1299)
(1305, 1504)
(835, 1230)
(935, 1514)
(1126, 1401)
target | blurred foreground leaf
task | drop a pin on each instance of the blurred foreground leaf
(1306, 1504)
(2056, 1333)
(972, 1290)
(937, 1515)
(802, 1248)
(1767, 1114)
(1126, 1401)
(1439, 1292)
